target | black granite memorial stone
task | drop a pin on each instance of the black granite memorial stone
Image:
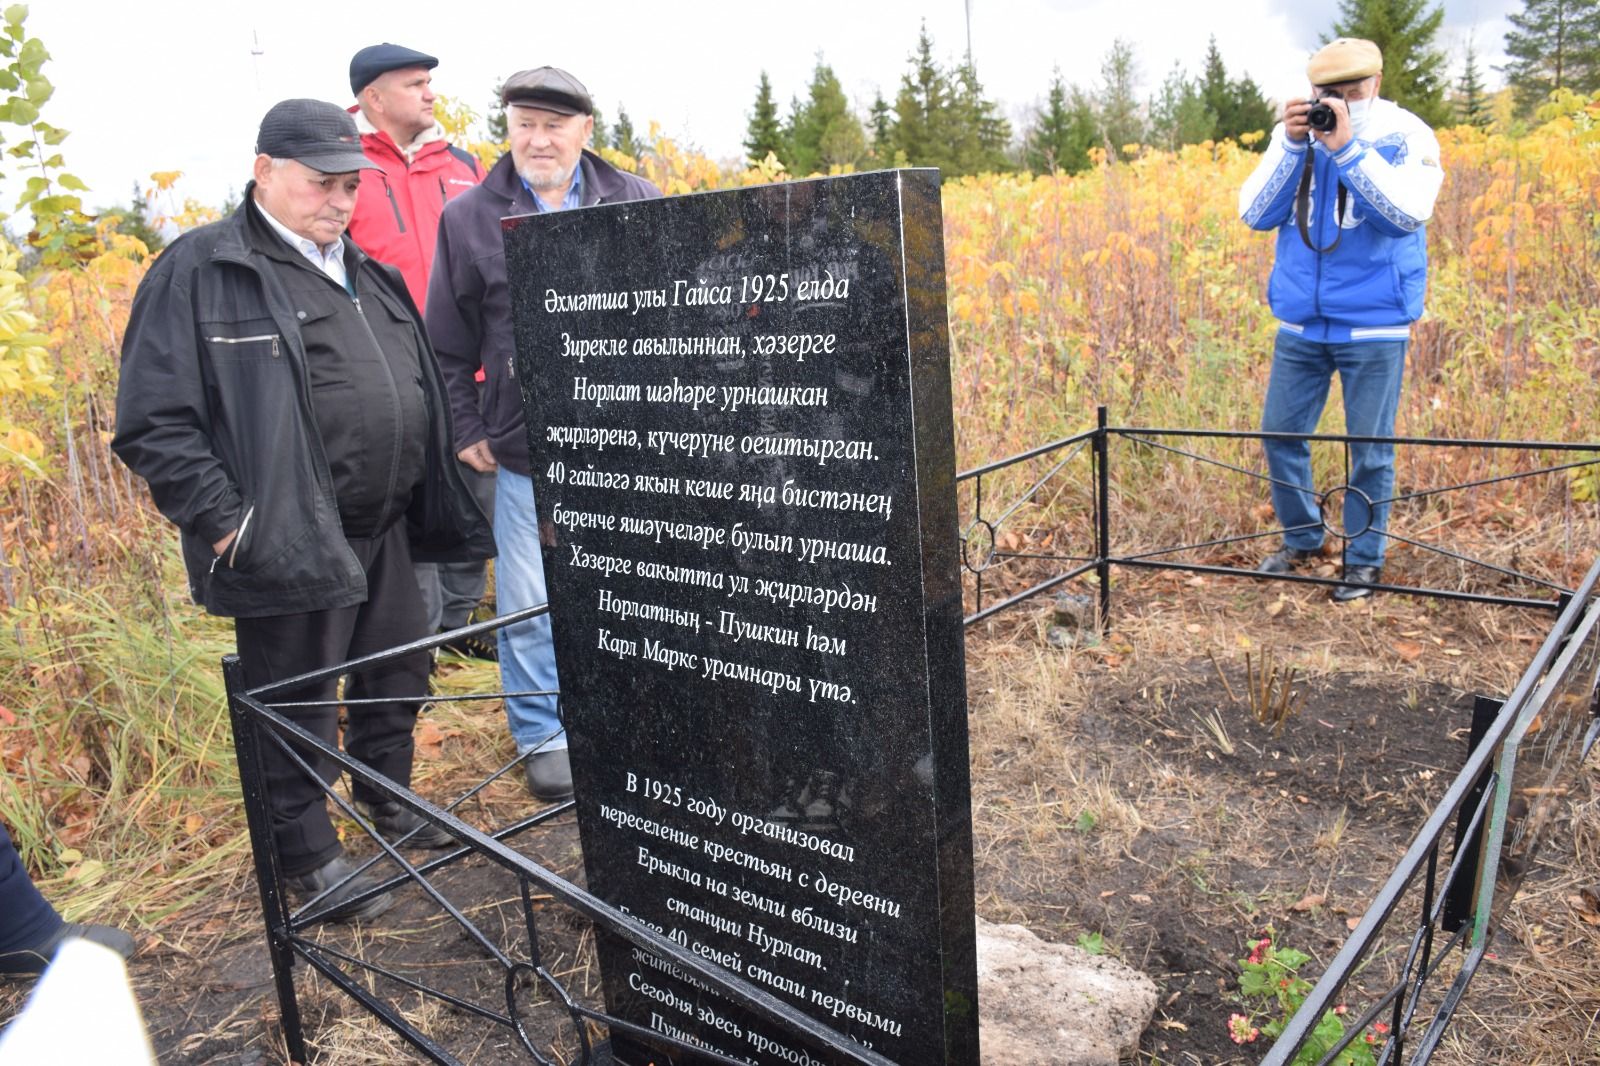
(739, 410)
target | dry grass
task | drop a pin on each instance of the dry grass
(1537, 1001)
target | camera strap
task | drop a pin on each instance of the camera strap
(1302, 207)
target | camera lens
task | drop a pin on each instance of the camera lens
(1321, 118)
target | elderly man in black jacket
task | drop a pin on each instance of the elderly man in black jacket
(279, 395)
(549, 117)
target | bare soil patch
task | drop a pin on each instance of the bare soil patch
(1125, 790)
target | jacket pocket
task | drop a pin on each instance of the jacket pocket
(1288, 295)
(230, 555)
(248, 341)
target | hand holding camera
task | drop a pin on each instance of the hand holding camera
(1326, 116)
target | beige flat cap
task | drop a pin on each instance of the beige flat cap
(1344, 59)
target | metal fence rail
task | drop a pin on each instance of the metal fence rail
(1455, 901)
(258, 723)
(1082, 464)
(1439, 908)
(1443, 914)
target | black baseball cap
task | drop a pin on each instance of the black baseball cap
(376, 59)
(550, 88)
(314, 132)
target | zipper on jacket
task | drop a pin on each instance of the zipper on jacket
(1316, 284)
(238, 535)
(394, 204)
(399, 428)
(324, 481)
(444, 197)
(273, 337)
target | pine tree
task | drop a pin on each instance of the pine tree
(764, 133)
(791, 123)
(1179, 114)
(1251, 113)
(1556, 45)
(1238, 104)
(826, 133)
(496, 119)
(1062, 132)
(881, 126)
(622, 136)
(599, 138)
(922, 110)
(982, 133)
(1471, 102)
(1215, 89)
(1120, 122)
(1413, 68)
(133, 220)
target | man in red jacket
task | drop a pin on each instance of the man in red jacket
(396, 221)
(397, 212)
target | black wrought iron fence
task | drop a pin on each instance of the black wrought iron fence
(1429, 928)
(1069, 490)
(511, 953)
(1438, 910)
(1482, 842)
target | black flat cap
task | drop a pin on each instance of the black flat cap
(548, 87)
(319, 134)
(375, 59)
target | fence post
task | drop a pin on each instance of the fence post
(1460, 895)
(257, 814)
(977, 515)
(1102, 517)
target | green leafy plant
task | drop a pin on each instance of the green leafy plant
(1093, 943)
(1272, 990)
(62, 232)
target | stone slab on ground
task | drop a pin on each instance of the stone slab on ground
(1044, 1004)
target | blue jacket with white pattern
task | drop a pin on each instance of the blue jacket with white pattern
(1370, 286)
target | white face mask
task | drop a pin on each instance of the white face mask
(1360, 111)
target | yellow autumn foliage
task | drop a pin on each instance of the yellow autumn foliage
(25, 377)
(1132, 284)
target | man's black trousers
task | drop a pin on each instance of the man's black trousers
(378, 734)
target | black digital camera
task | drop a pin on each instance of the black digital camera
(1321, 117)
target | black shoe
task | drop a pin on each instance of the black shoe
(1284, 560)
(1356, 581)
(33, 958)
(395, 822)
(549, 775)
(337, 869)
(481, 647)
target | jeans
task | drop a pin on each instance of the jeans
(1370, 375)
(527, 656)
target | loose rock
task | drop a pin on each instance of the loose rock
(1044, 1004)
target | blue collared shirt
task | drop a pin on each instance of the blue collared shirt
(574, 197)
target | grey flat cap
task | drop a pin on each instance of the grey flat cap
(550, 88)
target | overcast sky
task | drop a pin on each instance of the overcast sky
(180, 85)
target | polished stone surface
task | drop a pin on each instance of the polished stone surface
(739, 409)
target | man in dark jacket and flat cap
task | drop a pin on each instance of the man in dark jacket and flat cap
(550, 118)
(279, 395)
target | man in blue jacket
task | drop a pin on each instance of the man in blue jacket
(1348, 190)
